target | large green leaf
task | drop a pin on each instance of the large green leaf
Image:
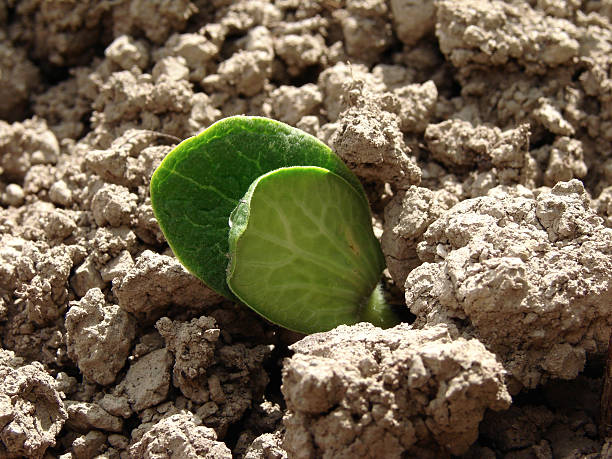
(303, 253)
(201, 181)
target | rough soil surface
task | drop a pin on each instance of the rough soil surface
(365, 392)
(482, 131)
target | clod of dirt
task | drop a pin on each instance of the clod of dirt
(184, 436)
(332, 83)
(564, 426)
(300, 51)
(44, 282)
(413, 19)
(268, 446)
(156, 19)
(146, 227)
(113, 205)
(407, 216)
(265, 416)
(43, 221)
(13, 195)
(193, 346)
(243, 15)
(193, 51)
(291, 104)
(158, 281)
(65, 106)
(417, 105)
(117, 267)
(414, 103)
(35, 276)
(236, 379)
(109, 259)
(365, 392)
(366, 29)
(31, 410)
(564, 160)
(89, 445)
(487, 32)
(15, 266)
(60, 33)
(603, 205)
(18, 78)
(245, 72)
(368, 138)
(519, 63)
(83, 416)
(98, 336)
(60, 194)
(129, 161)
(173, 68)
(116, 405)
(147, 381)
(23, 145)
(552, 118)
(124, 100)
(460, 145)
(528, 275)
(128, 53)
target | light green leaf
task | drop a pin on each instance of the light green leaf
(303, 253)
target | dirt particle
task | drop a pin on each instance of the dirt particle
(99, 336)
(147, 381)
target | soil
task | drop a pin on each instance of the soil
(482, 132)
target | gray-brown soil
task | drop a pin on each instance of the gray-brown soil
(482, 130)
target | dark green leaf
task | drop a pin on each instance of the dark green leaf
(200, 182)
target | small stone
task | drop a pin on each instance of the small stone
(127, 53)
(13, 195)
(113, 205)
(147, 381)
(88, 445)
(6, 409)
(117, 267)
(117, 406)
(65, 383)
(171, 68)
(216, 391)
(87, 416)
(59, 193)
(184, 436)
(413, 19)
(86, 277)
(118, 441)
(195, 49)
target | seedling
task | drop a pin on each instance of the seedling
(269, 215)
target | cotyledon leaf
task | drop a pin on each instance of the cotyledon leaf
(303, 253)
(201, 181)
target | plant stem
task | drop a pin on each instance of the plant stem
(377, 311)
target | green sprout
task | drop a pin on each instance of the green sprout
(269, 215)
